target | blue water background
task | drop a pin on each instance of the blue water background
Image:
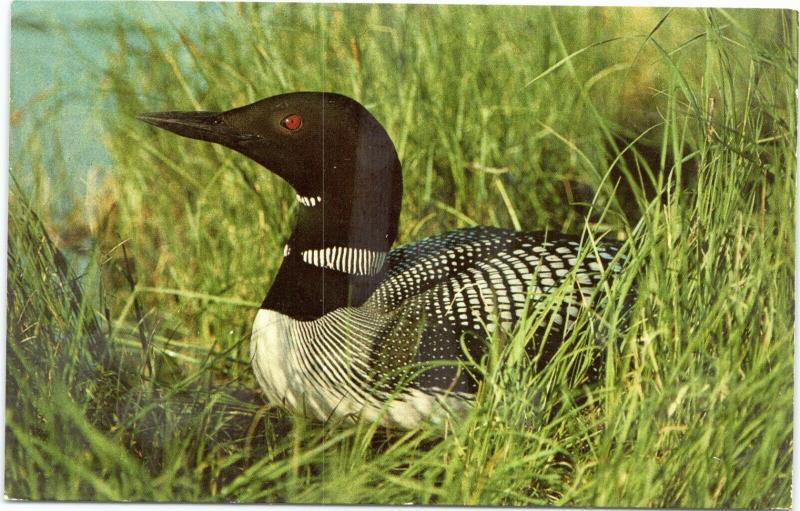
(58, 53)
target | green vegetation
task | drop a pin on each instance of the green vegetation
(128, 374)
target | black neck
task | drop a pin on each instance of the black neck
(306, 292)
(362, 214)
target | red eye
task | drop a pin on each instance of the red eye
(292, 122)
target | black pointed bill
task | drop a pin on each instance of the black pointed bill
(208, 126)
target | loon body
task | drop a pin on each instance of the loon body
(351, 327)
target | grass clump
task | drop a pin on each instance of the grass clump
(674, 130)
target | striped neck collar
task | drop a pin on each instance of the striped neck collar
(355, 261)
(313, 282)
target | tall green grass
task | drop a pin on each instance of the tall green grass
(674, 130)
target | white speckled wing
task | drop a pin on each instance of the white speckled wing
(468, 282)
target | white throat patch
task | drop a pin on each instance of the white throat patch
(357, 261)
(309, 201)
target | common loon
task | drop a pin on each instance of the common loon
(351, 327)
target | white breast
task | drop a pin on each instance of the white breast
(279, 351)
(272, 360)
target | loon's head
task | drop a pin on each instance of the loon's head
(327, 146)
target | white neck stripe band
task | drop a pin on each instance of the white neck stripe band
(357, 261)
